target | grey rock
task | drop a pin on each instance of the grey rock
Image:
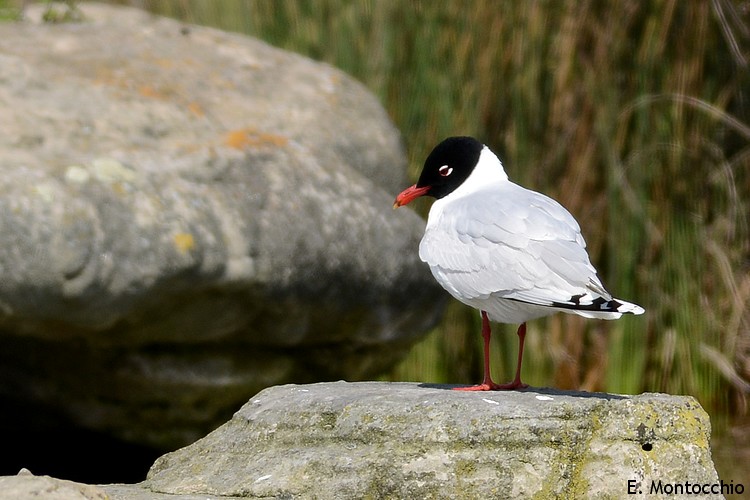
(403, 440)
(140, 492)
(189, 216)
(26, 486)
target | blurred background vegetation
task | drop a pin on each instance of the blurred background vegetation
(634, 115)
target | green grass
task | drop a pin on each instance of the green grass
(9, 11)
(633, 114)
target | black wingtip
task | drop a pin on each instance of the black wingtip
(599, 304)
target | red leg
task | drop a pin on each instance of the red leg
(517, 384)
(487, 384)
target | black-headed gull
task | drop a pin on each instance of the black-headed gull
(512, 253)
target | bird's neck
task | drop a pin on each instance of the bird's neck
(488, 172)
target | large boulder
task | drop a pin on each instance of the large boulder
(404, 440)
(189, 216)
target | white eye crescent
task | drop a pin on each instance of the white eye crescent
(445, 170)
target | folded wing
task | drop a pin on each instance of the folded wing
(518, 245)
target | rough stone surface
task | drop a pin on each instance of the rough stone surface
(404, 440)
(189, 216)
(26, 486)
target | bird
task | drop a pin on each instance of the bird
(510, 252)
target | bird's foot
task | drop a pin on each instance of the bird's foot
(510, 386)
(479, 387)
(492, 386)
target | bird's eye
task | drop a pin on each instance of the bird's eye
(445, 170)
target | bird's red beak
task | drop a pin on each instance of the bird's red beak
(410, 194)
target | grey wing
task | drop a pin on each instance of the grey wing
(517, 245)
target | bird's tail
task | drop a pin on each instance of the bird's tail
(607, 309)
(598, 303)
(626, 307)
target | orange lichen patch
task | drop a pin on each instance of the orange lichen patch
(106, 78)
(145, 90)
(151, 92)
(184, 242)
(250, 137)
(163, 62)
(196, 109)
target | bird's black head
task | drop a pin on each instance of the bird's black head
(446, 168)
(449, 164)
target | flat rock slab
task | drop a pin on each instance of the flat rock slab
(407, 440)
